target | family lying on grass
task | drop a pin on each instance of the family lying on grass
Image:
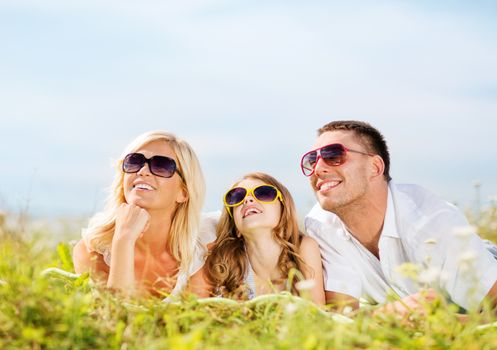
(360, 236)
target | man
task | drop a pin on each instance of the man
(369, 227)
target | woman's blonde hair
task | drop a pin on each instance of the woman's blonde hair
(184, 228)
(227, 262)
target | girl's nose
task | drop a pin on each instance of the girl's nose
(248, 199)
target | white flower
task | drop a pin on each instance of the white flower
(347, 310)
(467, 257)
(291, 308)
(444, 277)
(408, 270)
(429, 275)
(305, 285)
(464, 231)
(466, 260)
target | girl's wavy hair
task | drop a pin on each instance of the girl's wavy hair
(227, 262)
(183, 237)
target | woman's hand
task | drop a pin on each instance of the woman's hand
(131, 222)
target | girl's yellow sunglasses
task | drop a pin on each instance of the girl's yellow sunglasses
(263, 193)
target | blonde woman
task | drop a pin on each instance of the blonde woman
(146, 239)
(258, 243)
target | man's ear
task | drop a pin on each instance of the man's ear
(378, 166)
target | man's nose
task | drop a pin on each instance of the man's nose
(321, 166)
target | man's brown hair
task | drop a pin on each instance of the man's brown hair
(371, 138)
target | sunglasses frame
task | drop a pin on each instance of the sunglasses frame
(148, 161)
(318, 156)
(250, 191)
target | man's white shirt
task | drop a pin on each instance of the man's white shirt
(421, 233)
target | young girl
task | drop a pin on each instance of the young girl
(258, 243)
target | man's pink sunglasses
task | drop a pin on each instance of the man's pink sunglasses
(333, 154)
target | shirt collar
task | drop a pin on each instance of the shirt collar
(389, 224)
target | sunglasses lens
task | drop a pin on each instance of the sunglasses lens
(235, 195)
(308, 162)
(162, 166)
(133, 162)
(265, 193)
(333, 154)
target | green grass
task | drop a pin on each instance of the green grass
(55, 312)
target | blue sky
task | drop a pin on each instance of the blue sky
(247, 83)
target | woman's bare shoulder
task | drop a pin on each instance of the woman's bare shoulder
(86, 260)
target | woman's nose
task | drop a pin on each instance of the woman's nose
(145, 170)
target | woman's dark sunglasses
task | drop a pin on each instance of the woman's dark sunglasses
(262, 193)
(334, 154)
(158, 165)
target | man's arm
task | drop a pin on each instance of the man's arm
(342, 283)
(453, 248)
(339, 302)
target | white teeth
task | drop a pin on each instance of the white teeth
(251, 211)
(144, 187)
(328, 185)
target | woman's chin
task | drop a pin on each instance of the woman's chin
(139, 202)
